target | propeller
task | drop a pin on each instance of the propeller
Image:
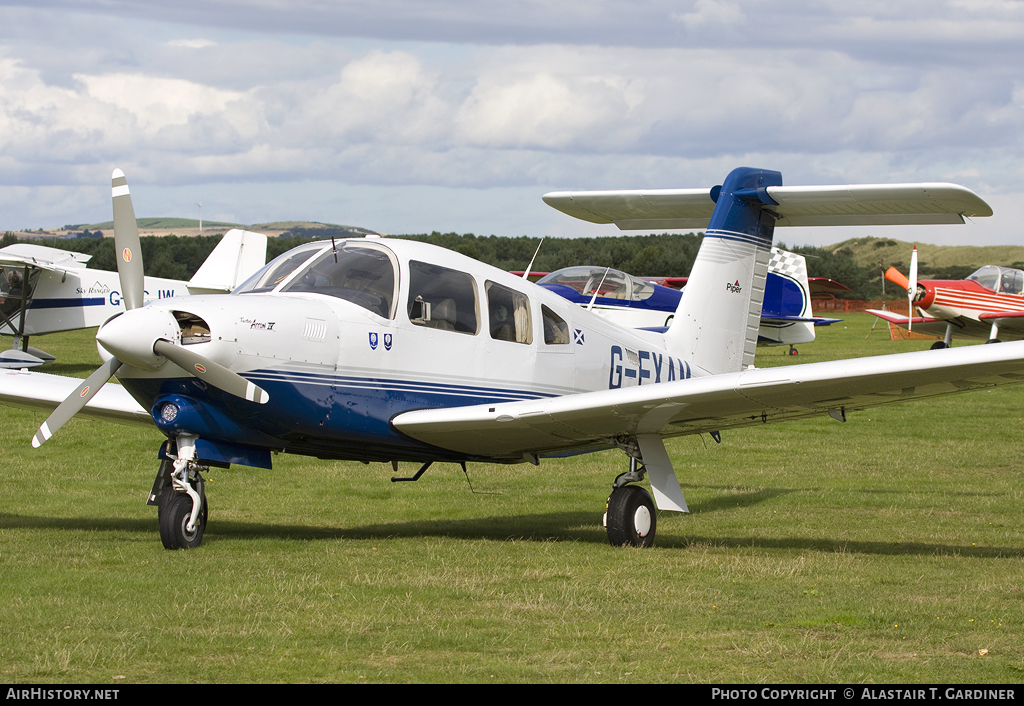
(910, 284)
(140, 337)
(912, 289)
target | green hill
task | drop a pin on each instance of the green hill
(886, 252)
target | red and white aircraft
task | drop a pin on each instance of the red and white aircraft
(988, 304)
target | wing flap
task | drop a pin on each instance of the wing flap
(596, 419)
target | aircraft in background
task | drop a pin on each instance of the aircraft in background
(62, 294)
(651, 302)
(989, 304)
(390, 351)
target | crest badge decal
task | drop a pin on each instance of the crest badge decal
(373, 340)
(387, 341)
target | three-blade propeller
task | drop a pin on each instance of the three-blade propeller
(125, 336)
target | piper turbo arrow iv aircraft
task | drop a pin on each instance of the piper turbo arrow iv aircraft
(988, 304)
(380, 350)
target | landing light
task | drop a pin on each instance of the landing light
(169, 412)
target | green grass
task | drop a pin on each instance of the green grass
(889, 548)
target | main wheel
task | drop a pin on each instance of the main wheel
(938, 345)
(175, 513)
(630, 517)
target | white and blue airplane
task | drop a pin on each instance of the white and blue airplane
(45, 290)
(388, 351)
(650, 303)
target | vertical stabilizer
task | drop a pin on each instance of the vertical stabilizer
(716, 324)
(238, 255)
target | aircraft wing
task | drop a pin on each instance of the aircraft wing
(1009, 321)
(593, 420)
(857, 204)
(921, 324)
(42, 257)
(20, 388)
(824, 288)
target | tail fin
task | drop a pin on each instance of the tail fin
(238, 255)
(716, 324)
(787, 309)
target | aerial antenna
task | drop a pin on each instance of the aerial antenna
(594, 298)
(526, 275)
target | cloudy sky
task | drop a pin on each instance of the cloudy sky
(408, 116)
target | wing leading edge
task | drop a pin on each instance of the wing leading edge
(597, 419)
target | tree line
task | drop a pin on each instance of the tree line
(666, 254)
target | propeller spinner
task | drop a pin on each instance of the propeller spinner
(140, 337)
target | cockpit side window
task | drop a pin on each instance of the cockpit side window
(352, 271)
(508, 314)
(442, 298)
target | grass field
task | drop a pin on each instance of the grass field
(889, 548)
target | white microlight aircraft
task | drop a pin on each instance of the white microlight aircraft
(377, 350)
(46, 290)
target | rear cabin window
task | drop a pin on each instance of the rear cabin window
(556, 331)
(508, 314)
(442, 298)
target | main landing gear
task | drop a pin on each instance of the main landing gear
(179, 493)
(630, 516)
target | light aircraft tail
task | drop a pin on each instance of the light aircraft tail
(239, 254)
(716, 324)
(715, 327)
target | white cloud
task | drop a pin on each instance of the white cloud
(710, 12)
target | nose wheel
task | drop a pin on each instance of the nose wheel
(175, 517)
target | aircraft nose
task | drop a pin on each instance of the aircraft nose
(131, 336)
(925, 295)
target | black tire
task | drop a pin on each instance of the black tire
(938, 345)
(993, 340)
(630, 518)
(174, 514)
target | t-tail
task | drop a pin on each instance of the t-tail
(715, 327)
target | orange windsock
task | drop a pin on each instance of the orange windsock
(895, 276)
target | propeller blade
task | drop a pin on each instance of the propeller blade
(896, 277)
(75, 401)
(213, 373)
(126, 240)
(912, 289)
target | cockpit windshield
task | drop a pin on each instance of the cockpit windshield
(356, 271)
(1004, 280)
(609, 283)
(277, 270)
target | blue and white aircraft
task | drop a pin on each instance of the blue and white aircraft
(46, 290)
(379, 350)
(635, 302)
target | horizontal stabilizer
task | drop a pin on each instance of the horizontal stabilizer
(851, 205)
